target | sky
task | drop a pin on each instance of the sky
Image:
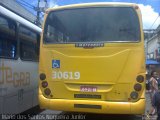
(150, 8)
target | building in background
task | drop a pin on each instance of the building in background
(153, 45)
(18, 9)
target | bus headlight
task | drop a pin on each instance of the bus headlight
(44, 84)
(138, 87)
(134, 95)
(140, 78)
(47, 91)
(42, 76)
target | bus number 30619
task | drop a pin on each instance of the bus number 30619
(66, 75)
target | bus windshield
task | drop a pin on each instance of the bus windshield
(94, 24)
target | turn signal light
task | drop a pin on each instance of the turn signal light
(44, 84)
(47, 91)
(138, 87)
(42, 76)
(140, 78)
(134, 95)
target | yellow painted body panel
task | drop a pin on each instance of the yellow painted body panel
(112, 69)
(108, 107)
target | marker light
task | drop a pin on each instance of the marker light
(134, 95)
(46, 11)
(140, 78)
(136, 7)
(44, 84)
(47, 91)
(42, 76)
(138, 87)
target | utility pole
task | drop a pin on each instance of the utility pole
(38, 13)
(41, 6)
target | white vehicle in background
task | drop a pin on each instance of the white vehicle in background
(19, 54)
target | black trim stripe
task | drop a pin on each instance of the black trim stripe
(87, 96)
(87, 106)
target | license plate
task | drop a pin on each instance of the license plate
(88, 89)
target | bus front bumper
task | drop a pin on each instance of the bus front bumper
(93, 106)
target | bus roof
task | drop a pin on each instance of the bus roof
(19, 19)
(94, 4)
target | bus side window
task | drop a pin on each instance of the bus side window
(28, 44)
(8, 42)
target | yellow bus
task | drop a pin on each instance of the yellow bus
(92, 59)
